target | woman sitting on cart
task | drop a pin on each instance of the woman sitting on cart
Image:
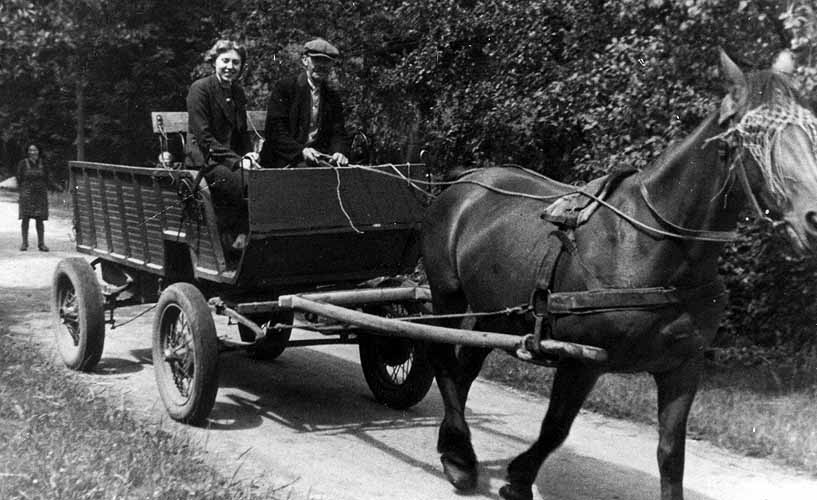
(218, 138)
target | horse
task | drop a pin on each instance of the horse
(655, 237)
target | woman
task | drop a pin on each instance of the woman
(218, 137)
(32, 183)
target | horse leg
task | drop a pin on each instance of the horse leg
(470, 360)
(454, 439)
(676, 390)
(571, 385)
(455, 371)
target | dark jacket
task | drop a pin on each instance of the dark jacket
(287, 126)
(23, 174)
(216, 124)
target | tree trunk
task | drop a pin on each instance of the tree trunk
(413, 144)
(80, 103)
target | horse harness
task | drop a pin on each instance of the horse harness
(755, 132)
(568, 213)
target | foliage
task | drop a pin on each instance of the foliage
(125, 57)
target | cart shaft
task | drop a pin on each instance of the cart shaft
(397, 328)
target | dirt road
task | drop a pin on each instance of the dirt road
(308, 424)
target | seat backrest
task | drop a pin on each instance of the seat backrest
(176, 121)
(166, 123)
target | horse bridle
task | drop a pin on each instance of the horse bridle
(737, 169)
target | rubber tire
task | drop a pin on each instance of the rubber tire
(373, 360)
(192, 408)
(84, 350)
(274, 343)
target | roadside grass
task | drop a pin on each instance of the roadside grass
(58, 439)
(766, 410)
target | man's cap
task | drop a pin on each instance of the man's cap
(320, 48)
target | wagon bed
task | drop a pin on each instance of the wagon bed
(307, 226)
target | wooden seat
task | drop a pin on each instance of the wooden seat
(175, 122)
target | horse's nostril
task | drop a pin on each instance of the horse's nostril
(811, 221)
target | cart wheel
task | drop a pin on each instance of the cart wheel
(276, 340)
(397, 370)
(76, 302)
(185, 353)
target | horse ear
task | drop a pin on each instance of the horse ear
(728, 109)
(731, 71)
(737, 88)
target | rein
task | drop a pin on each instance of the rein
(681, 233)
(747, 188)
(687, 233)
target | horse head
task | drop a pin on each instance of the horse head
(774, 133)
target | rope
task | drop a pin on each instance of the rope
(115, 326)
(414, 182)
(645, 226)
(340, 203)
(501, 312)
(521, 309)
(506, 192)
(257, 134)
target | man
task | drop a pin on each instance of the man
(304, 115)
(218, 138)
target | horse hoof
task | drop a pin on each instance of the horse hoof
(463, 477)
(516, 492)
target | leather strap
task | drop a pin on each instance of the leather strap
(617, 299)
(687, 233)
(747, 188)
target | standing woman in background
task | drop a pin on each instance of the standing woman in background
(32, 183)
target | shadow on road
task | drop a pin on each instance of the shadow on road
(295, 391)
(117, 366)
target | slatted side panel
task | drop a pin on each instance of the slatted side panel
(117, 241)
(171, 213)
(152, 208)
(84, 215)
(128, 214)
(203, 247)
(131, 219)
(98, 205)
(116, 214)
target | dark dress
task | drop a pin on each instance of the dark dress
(32, 183)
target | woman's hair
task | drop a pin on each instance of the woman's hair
(222, 46)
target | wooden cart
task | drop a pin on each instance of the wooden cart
(335, 245)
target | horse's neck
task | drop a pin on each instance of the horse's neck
(688, 184)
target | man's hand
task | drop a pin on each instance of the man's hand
(340, 159)
(311, 155)
(250, 160)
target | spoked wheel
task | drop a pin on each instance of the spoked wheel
(185, 353)
(397, 370)
(76, 302)
(276, 340)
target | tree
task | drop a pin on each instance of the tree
(84, 74)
